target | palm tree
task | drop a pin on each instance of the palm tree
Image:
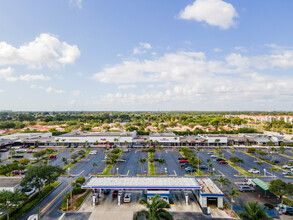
(274, 170)
(233, 194)
(11, 152)
(222, 181)
(197, 154)
(94, 166)
(64, 160)
(156, 210)
(253, 211)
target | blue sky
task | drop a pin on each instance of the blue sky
(146, 55)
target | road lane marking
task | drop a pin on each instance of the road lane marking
(127, 172)
(175, 173)
(61, 216)
(135, 151)
(44, 209)
(166, 151)
(221, 173)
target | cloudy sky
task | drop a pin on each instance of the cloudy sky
(146, 55)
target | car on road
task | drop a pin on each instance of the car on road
(203, 167)
(53, 156)
(33, 217)
(115, 193)
(287, 173)
(253, 171)
(223, 162)
(183, 161)
(127, 197)
(17, 156)
(93, 152)
(245, 188)
(18, 172)
(214, 156)
(190, 169)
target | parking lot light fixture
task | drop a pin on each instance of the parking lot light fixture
(166, 170)
(117, 170)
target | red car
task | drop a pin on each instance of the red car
(115, 193)
(183, 161)
(17, 172)
(53, 156)
(223, 162)
(30, 152)
(3, 150)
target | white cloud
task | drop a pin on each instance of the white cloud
(217, 50)
(142, 48)
(241, 49)
(7, 74)
(76, 3)
(1, 90)
(189, 78)
(52, 90)
(33, 86)
(72, 102)
(44, 50)
(213, 12)
(76, 93)
(127, 86)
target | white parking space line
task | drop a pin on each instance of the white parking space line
(135, 151)
(221, 173)
(127, 173)
(175, 173)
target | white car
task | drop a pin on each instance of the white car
(127, 197)
(33, 217)
(214, 156)
(286, 166)
(210, 153)
(28, 191)
(93, 152)
(291, 169)
(253, 171)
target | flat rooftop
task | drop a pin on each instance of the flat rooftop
(208, 187)
(141, 183)
(9, 181)
(97, 134)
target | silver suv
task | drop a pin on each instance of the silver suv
(245, 188)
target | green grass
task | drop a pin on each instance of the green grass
(288, 201)
(107, 169)
(80, 200)
(152, 170)
(31, 202)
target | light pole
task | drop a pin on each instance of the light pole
(166, 170)
(264, 170)
(117, 170)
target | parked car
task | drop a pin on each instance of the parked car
(248, 182)
(250, 152)
(183, 161)
(53, 156)
(18, 172)
(287, 173)
(214, 156)
(127, 197)
(17, 156)
(223, 162)
(276, 161)
(220, 159)
(115, 193)
(286, 166)
(28, 191)
(181, 158)
(106, 191)
(190, 169)
(210, 153)
(3, 150)
(20, 151)
(253, 171)
(287, 210)
(93, 152)
(245, 188)
(184, 165)
(203, 167)
(30, 151)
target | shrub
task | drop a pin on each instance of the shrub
(115, 151)
(80, 180)
(82, 156)
(144, 150)
(151, 150)
(77, 190)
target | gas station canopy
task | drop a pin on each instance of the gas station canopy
(143, 182)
